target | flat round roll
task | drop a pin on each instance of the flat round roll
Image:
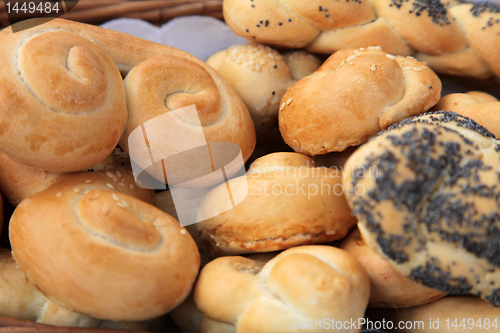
(425, 193)
(351, 97)
(388, 287)
(479, 106)
(283, 201)
(69, 112)
(452, 36)
(103, 253)
(261, 76)
(300, 286)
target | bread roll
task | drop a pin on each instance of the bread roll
(426, 198)
(260, 75)
(452, 36)
(302, 284)
(283, 201)
(351, 97)
(18, 181)
(20, 299)
(69, 125)
(101, 252)
(482, 107)
(388, 287)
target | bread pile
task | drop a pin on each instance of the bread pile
(451, 36)
(365, 189)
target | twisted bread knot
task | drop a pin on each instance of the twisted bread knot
(306, 283)
(351, 97)
(452, 37)
(285, 201)
(64, 107)
(430, 202)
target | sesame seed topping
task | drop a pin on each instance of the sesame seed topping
(183, 231)
(118, 173)
(351, 57)
(124, 203)
(407, 67)
(373, 68)
(115, 178)
(88, 181)
(374, 48)
(58, 194)
(109, 174)
(76, 189)
(114, 196)
(390, 56)
(121, 184)
(110, 186)
(288, 101)
(131, 186)
(120, 204)
(43, 174)
(282, 106)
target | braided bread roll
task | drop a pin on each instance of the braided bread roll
(63, 103)
(354, 95)
(20, 299)
(261, 76)
(90, 247)
(305, 283)
(482, 107)
(425, 194)
(452, 37)
(286, 201)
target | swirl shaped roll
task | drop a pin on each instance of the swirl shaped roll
(62, 102)
(103, 253)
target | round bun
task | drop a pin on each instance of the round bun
(452, 36)
(388, 287)
(482, 107)
(260, 75)
(351, 97)
(305, 283)
(283, 201)
(425, 198)
(103, 253)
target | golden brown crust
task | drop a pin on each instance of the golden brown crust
(482, 107)
(18, 181)
(63, 148)
(351, 97)
(142, 263)
(289, 202)
(434, 31)
(260, 75)
(388, 287)
(20, 299)
(425, 196)
(305, 283)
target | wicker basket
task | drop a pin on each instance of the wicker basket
(154, 11)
